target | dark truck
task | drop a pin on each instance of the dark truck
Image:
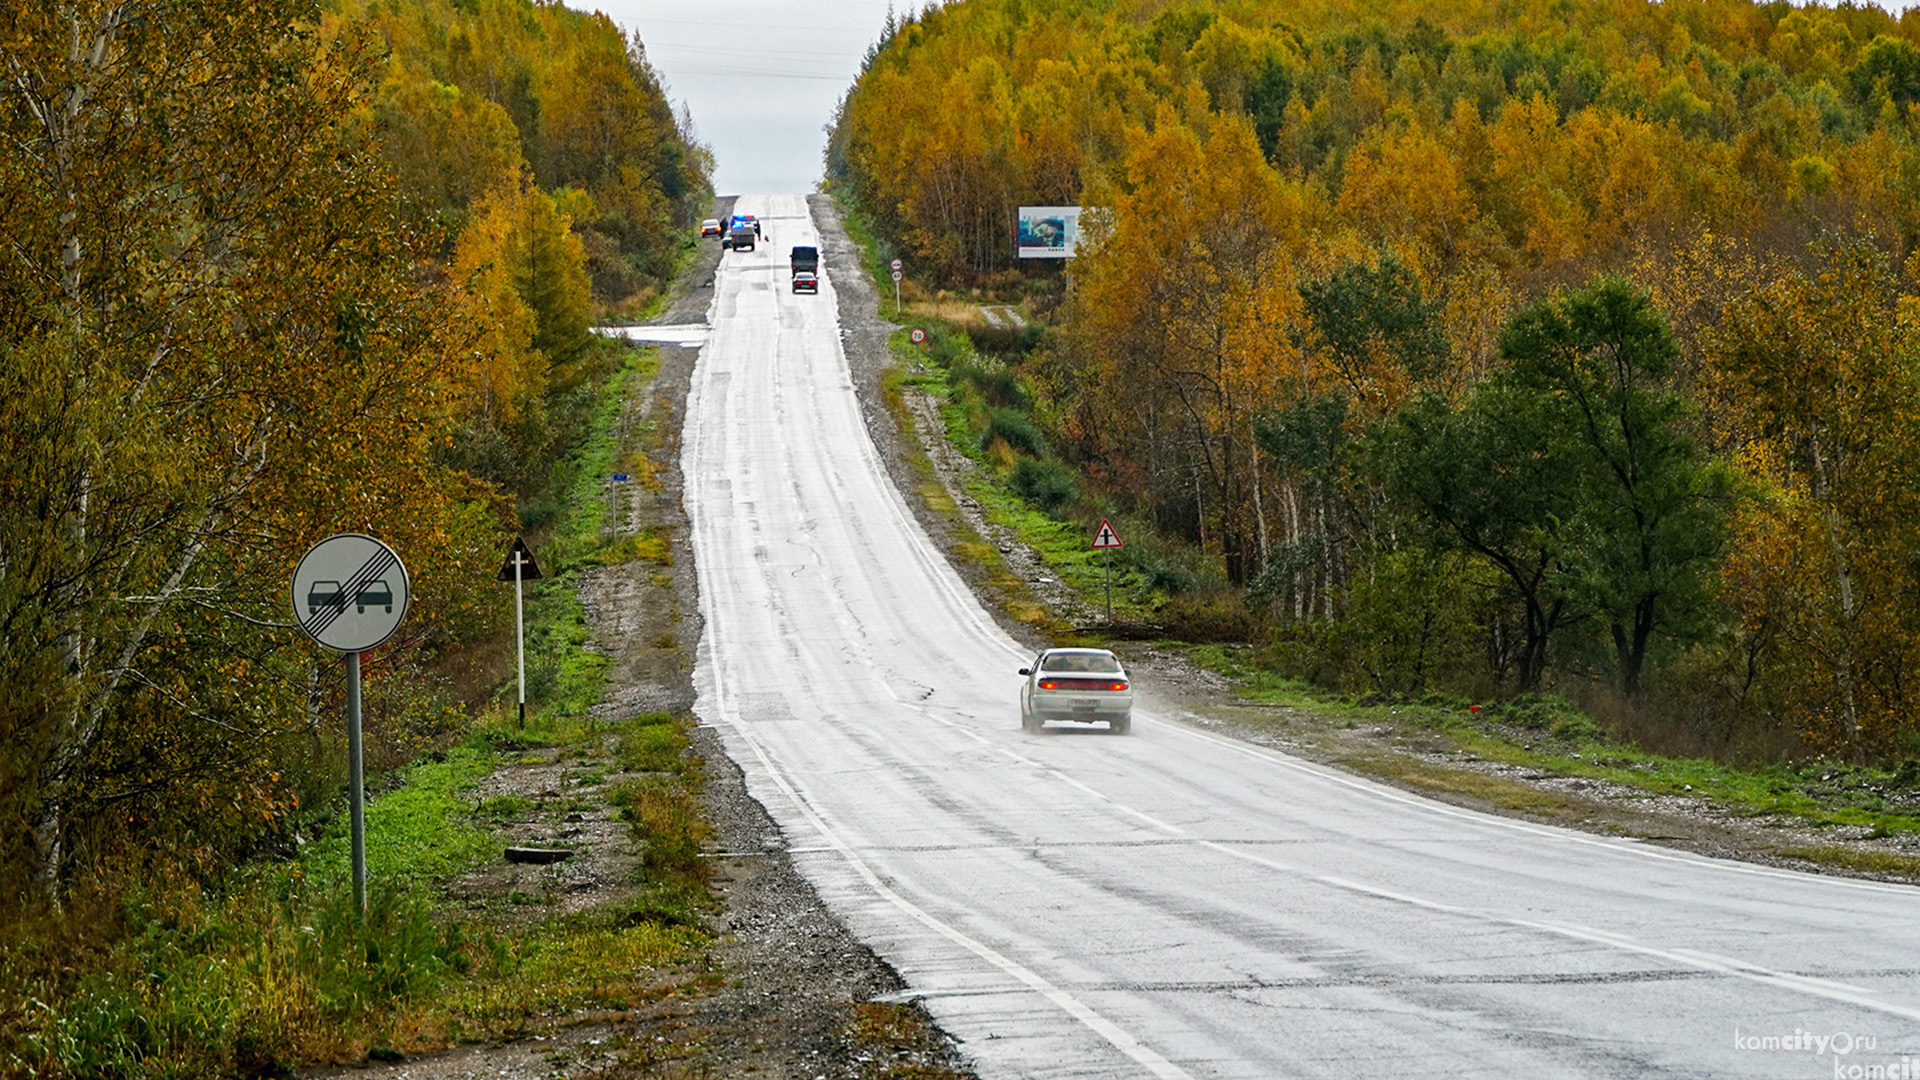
(741, 238)
(806, 260)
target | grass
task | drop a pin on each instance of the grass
(1846, 858)
(990, 572)
(1063, 545)
(1550, 736)
(1510, 795)
(417, 833)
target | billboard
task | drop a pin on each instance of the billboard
(1049, 232)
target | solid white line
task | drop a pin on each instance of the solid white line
(1121, 1039)
(1784, 980)
(1388, 794)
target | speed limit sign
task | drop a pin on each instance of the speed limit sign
(917, 336)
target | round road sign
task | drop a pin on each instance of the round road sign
(896, 275)
(896, 266)
(917, 336)
(350, 592)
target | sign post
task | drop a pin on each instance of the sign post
(520, 568)
(613, 501)
(350, 594)
(1106, 540)
(898, 271)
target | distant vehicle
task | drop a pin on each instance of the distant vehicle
(748, 220)
(806, 260)
(741, 238)
(1077, 686)
(710, 227)
(806, 281)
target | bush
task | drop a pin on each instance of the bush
(994, 384)
(1017, 430)
(1163, 575)
(1010, 341)
(1554, 715)
(1214, 616)
(1409, 621)
(1045, 483)
(945, 348)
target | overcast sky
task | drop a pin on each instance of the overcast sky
(762, 77)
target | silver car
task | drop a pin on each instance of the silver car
(1077, 685)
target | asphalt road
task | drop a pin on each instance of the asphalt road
(1172, 903)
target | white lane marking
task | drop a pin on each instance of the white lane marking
(1381, 791)
(1785, 980)
(681, 334)
(1121, 1039)
(1691, 958)
(1112, 1033)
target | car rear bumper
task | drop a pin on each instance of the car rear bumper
(1084, 708)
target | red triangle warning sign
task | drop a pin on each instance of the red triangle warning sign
(1105, 538)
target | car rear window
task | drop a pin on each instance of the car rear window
(1093, 662)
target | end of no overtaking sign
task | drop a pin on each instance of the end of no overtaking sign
(350, 592)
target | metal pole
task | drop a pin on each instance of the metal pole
(896, 298)
(520, 637)
(356, 780)
(1108, 560)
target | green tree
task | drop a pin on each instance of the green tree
(1652, 508)
(1484, 478)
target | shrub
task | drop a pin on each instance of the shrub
(1163, 575)
(1016, 429)
(1212, 616)
(1549, 713)
(994, 384)
(1045, 483)
(666, 817)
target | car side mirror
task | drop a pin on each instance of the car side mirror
(1026, 671)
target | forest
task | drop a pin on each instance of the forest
(1488, 348)
(275, 269)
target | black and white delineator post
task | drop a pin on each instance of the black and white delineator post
(1106, 540)
(520, 568)
(350, 594)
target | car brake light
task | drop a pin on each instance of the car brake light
(1082, 684)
